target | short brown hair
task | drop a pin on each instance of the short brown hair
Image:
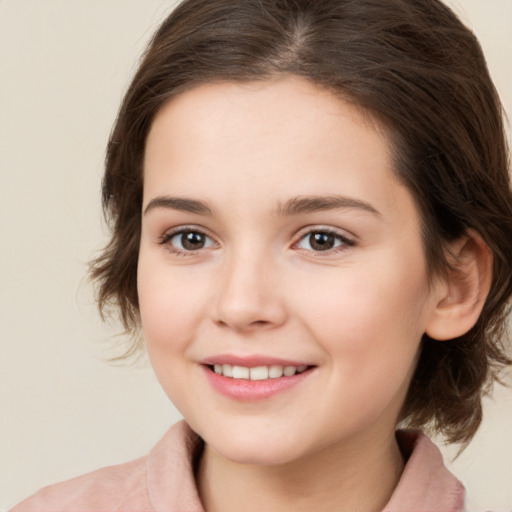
(412, 65)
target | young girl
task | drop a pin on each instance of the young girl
(311, 226)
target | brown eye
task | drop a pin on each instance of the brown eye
(320, 241)
(190, 241)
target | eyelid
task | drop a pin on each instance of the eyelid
(171, 233)
(347, 241)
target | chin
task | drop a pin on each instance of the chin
(262, 450)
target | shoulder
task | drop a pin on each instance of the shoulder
(162, 479)
(122, 487)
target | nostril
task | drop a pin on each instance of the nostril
(240, 324)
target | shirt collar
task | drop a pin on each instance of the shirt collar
(426, 485)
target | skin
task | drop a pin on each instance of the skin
(355, 312)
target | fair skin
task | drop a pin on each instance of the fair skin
(236, 267)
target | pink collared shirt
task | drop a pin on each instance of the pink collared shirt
(163, 481)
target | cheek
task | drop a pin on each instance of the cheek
(371, 317)
(170, 310)
(171, 304)
(370, 330)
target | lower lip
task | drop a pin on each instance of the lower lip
(252, 390)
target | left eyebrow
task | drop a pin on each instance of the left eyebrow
(310, 204)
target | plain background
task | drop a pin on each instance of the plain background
(64, 65)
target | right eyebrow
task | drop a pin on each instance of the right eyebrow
(181, 204)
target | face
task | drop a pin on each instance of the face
(282, 281)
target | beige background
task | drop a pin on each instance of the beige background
(63, 411)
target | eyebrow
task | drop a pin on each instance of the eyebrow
(310, 204)
(294, 206)
(181, 204)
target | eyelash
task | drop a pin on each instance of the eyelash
(344, 242)
(167, 237)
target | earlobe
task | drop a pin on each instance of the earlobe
(462, 291)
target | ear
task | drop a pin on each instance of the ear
(461, 293)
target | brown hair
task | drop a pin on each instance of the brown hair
(412, 65)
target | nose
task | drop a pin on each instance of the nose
(250, 297)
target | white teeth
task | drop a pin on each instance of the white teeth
(275, 372)
(258, 372)
(227, 370)
(289, 371)
(240, 372)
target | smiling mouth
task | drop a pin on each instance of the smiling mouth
(257, 373)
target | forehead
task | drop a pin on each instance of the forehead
(287, 105)
(265, 140)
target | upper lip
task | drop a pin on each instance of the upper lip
(251, 361)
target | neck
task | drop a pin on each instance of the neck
(360, 477)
